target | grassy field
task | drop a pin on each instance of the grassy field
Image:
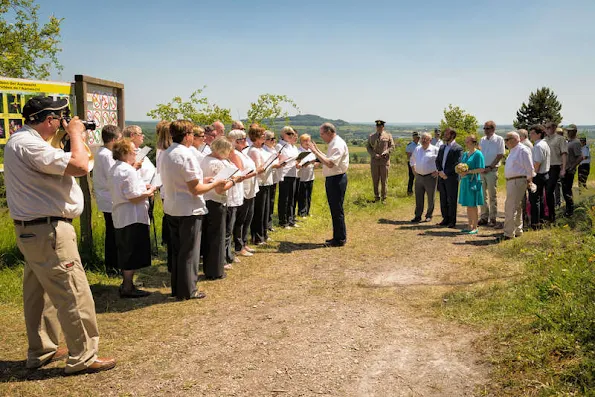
(538, 324)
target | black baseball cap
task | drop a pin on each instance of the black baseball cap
(38, 105)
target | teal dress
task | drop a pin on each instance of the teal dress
(471, 193)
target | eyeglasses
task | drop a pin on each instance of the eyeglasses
(199, 136)
(240, 139)
(271, 139)
(488, 128)
(290, 134)
(507, 139)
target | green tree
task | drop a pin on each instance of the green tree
(197, 109)
(269, 108)
(29, 50)
(543, 106)
(460, 120)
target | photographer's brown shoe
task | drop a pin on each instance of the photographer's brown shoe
(100, 364)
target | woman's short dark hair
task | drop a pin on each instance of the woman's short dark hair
(179, 129)
(110, 133)
(539, 129)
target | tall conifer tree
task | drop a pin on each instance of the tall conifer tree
(542, 106)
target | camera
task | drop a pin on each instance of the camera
(89, 125)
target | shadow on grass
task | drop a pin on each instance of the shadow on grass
(441, 233)
(287, 247)
(479, 243)
(107, 299)
(15, 371)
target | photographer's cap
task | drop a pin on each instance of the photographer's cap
(380, 123)
(40, 104)
(415, 134)
(571, 127)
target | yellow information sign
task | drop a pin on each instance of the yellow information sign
(13, 95)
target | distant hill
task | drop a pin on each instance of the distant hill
(311, 120)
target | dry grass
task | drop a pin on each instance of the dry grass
(295, 319)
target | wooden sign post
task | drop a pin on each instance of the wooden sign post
(103, 102)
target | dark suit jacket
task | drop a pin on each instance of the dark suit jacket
(452, 159)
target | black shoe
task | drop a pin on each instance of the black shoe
(217, 278)
(482, 222)
(443, 223)
(335, 243)
(416, 220)
(452, 226)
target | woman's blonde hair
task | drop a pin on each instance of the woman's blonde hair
(305, 137)
(122, 148)
(221, 146)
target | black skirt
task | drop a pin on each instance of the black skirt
(134, 246)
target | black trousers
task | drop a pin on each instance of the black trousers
(305, 198)
(411, 179)
(296, 197)
(110, 250)
(567, 182)
(550, 188)
(230, 222)
(243, 220)
(258, 227)
(185, 241)
(536, 199)
(165, 238)
(336, 186)
(583, 174)
(286, 203)
(213, 251)
(272, 194)
(449, 190)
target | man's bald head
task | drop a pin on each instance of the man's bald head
(219, 128)
(237, 125)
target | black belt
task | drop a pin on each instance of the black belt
(425, 174)
(516, 177)
(39, 221)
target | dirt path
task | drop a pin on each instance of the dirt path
(299, 320)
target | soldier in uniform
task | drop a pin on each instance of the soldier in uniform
(43, 199)
(380, 145)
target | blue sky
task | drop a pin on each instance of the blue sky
(402, 61)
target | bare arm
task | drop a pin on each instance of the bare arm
(79, 160)
(197, 188)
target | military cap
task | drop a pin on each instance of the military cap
(380, 122)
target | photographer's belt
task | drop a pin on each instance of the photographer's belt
(39, 221)
(516, 177)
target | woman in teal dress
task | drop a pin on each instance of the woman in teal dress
(471, 193)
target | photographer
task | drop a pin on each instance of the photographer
(43, 198)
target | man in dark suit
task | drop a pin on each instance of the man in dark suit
(449, 156)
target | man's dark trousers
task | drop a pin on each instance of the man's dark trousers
(336, 186)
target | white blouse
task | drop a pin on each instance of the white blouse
(306, 173)
(210, 167)
(177, 167)
(104, 161)
(266, 178)
(289, 168)
(125, 184)
(250, 184)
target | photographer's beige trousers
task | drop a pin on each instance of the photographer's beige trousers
(56, 295)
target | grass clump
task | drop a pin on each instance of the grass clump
(542, 323)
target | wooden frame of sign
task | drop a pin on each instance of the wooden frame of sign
(101, 99)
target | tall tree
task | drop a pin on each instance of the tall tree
(197, 109)
(460, 120)
(29, 50)
(268, 108)
(543, 106)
